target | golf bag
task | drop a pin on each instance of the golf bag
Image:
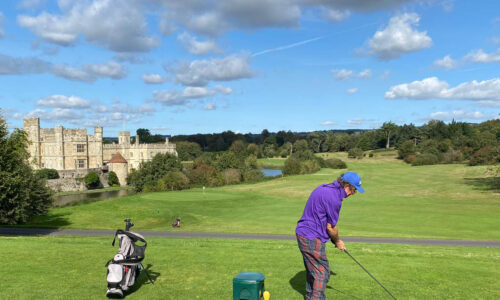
(125, 267)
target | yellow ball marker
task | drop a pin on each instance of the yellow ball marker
(266, 295)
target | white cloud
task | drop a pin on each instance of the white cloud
(342, 74)
(2, 31)
(328, 123)
(352, 91)
(210, 106)
(367, 73)
(90, 72)
(201, 72)
(56, 114)
(61, 101)
(446, 62)
(355, 122)
(121, 26)
(495, 39)
(80, 112)
(479, 56)
(22, 65)
(456, 115)
(489, 103)
(181, 98)
(335, 15)
(433, 88)
(198, 47)
(153, 79)
(357, 5)
(223, 90)
(87, 73)
(399, 38)
(31, 4)
(216, 17)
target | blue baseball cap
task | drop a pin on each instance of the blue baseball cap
(354, 179)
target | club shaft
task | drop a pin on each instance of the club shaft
(370, 274)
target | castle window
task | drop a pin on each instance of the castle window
(80, 148)
(81, 163)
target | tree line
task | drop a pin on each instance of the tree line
(440, 142)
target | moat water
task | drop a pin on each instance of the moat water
(75, 199)
(271, 172)
(82, 198)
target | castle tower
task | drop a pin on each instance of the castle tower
(32, 128)
(124, 138)
(59, 149)
(98, 146)
(119, 165)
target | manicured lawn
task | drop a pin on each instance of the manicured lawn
(441, 201)
(73, 268)
(271, 163)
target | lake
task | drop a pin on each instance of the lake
(73, 199)
(271, 172)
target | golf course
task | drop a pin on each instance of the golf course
(450, 202)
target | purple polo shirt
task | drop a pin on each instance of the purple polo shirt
(322, 207)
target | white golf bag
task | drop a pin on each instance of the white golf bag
(125, 267)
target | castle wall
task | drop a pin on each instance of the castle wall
(73, 149)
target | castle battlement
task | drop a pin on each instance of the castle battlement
(73, 149)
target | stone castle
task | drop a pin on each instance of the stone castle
(73, 152)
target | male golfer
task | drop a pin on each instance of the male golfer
(317, 225)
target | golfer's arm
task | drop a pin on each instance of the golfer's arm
(333, 233)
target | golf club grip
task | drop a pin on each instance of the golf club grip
(347, 252)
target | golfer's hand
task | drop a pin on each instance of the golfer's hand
(340, 245)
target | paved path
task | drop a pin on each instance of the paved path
(180, 234)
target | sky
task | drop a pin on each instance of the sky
(192, 66)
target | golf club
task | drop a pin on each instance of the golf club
(347, 252)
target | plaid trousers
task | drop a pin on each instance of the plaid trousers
(317, 267)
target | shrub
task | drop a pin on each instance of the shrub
(203, 175)
(410, 158)
(309, 166)
(453, 156)
(204, 159)
(425, 159)
(406, 149)
(252, 175)
(292, 166)
(251, 162)
(321, 161)
(304, 155)
(173, 180)
(150, 172)
(231, 176)
(92, 180)
(335, 163)
(355, 153)
(113, 179)
(482, 156)
(227, 160)
(370, 154)
(47, 173)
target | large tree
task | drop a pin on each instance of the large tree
(388, 129)
(23, 194)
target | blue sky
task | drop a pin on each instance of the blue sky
(186, 67)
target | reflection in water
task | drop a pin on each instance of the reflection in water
(271, 172)
(74, 199)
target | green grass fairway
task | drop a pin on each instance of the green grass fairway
(73, 268)
(271, 163)
(441, 201)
